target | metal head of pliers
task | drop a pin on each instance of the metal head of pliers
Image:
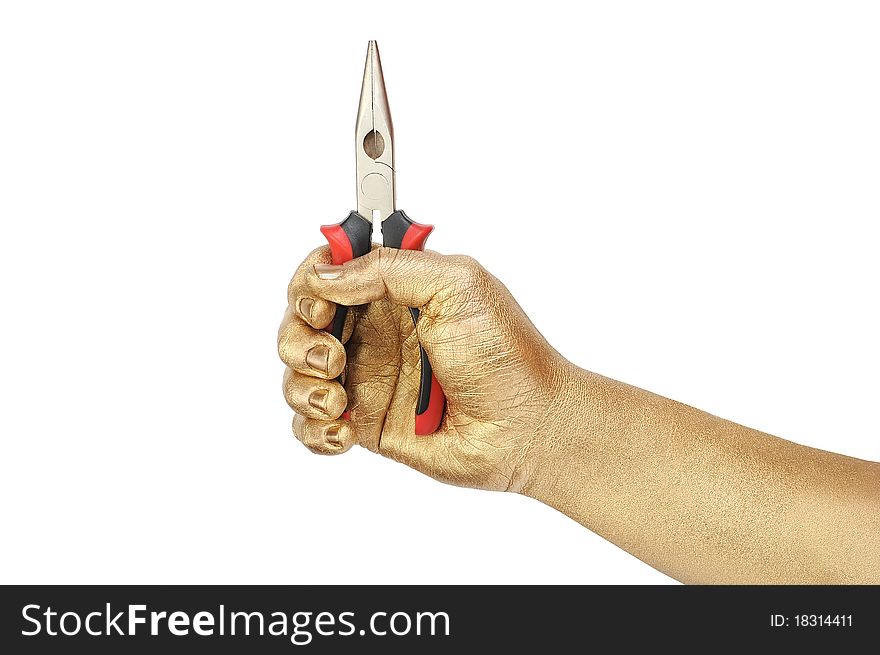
(374, 143)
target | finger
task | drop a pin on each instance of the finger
(315, 311)
(323, 437)
(313, 398)
(406, 277)
(297, 287)
(309, 351)
(291, 313)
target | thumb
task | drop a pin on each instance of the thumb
(405, 277)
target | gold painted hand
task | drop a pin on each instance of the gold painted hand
(499, 374)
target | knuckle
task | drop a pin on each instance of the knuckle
(318, 253)
(299, 427)
(297, 397)
(312, 440)
(468, 270)
(284, 346)
(288, 387)
(291, 350)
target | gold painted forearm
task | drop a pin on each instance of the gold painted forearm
(703, 499)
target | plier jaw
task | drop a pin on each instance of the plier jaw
(374, 143)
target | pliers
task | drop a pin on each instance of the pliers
(374, 154)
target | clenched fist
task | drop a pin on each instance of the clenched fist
(499, 374)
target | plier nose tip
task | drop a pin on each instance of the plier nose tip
(374, 143)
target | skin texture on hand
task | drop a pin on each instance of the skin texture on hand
(697, 497)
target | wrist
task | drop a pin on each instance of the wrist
(570, 436)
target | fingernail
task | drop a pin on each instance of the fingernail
(305, 307)
(318, 399)
(331, 434)
(318, 358)
(328, 271)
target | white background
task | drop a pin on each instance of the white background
(683, 197)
